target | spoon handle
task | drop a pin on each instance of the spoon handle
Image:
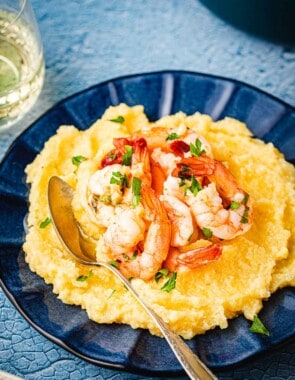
(193, 366)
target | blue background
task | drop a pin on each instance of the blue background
(87, 42)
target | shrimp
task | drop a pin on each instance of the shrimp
(166, 157)
(140, 162)
(165, 138)
(115, 156)
(155, 137)
(167, 160)
(172, 187)
(194, 256)
(222, 206)
(192, 137)
(169, 145)
(103, 191)
(125, 232)
(155, 245)
(182, 226)
(108, 183)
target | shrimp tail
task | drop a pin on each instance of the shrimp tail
(200, 256)
(194, 166)
(158, 177)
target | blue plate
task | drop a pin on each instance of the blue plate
(119, 346)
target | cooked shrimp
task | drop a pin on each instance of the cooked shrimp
(156, 243)
(115, 156)
(222, 206)
(125, 232)
(168, 146)
(172, 188)
(192, 137)
(140, 162)
(158, 177)
(105, 190)
(164, 138)
(99, 212)
(108, 183)
(155, 137)
(193, 258)
(167, 160)
(182, 227)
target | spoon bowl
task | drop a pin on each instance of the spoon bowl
(60, 196)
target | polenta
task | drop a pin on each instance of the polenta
(253, 259)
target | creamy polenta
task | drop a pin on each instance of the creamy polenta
(252, 265)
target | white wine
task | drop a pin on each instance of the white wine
(21, 68)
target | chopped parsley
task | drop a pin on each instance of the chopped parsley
(126, 160)
(207, 232)
(136, 186)
(119, 179)
(170, 284)
(76, 160)
(196, 149)
(172, 136)
(45, 222)
(195, 186)
(119, 119)
(244, 218)
(246, 198)
(114, 263)
(234, 205)
(112, 292)
(162, 273)
(129, 258)
(258, 327)
(84, 277)
(135, 254)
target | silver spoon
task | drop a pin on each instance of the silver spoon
(60, 196)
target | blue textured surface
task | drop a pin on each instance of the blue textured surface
(86, 43)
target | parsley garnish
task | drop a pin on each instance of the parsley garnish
(135, 254)
(84, 277)
(170, 284)
(126, 160)
(196, 149)
(172, 136)
(161, 273)
(234, 205)
(246, 198)
(45, 222)
(120, 119)
(207, 232)
(246, 211)
(129, 258)
(136, 186)
(119, 179)
(245, 215)
(195, 186)
(114, 263)
(258, 327)
(112, 292)
(76, 160)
